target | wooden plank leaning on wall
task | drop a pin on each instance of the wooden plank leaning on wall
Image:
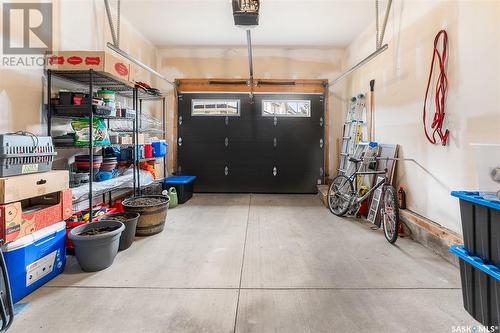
(259, 86)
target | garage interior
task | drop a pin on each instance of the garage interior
(250, 166)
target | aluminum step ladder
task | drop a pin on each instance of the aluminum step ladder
(353, 131)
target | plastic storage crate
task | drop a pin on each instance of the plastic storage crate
(22, 154)
(35, 259)
(480, 225)
(480, 288)
(183, 184)
(160, 148)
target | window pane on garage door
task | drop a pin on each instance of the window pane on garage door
(215, 107)
(286, 108)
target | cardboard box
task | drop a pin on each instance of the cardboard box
(134, 74)
(17, 188)
(20, 219)
(126, 140)
(159, 171)
(99, 61)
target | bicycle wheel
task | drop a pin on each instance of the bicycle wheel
(339, 195)
(390, 214)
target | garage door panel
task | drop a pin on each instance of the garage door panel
(193, 151)
(201, 164)
(204, 132)
(252, 152)
(258, 180)
(210, 177)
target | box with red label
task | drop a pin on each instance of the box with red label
(99, 61)
(134, 74)
(22, 218)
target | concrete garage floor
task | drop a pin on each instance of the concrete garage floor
(255, 263)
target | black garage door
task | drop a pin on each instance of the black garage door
(269, 144)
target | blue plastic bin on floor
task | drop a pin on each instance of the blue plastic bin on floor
(184, 186)
(35, 259)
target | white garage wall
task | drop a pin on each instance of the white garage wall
(473, 108)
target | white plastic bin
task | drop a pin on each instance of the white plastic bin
(487, 159)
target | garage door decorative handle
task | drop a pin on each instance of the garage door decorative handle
(275, 171)
(275, 142)
(180, 142)
(226, 142)
(275, 121)
(226, 171)
(180, 120)
(321, 143)
(227, 120)
(321, 121)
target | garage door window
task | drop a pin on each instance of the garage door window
(286, 108)
(215, 107)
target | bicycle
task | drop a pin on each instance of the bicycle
(344, 196)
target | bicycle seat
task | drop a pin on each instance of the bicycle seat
(354, 160)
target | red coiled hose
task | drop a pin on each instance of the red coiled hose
(440, 94)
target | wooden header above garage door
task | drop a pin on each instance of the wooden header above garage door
(259, 86)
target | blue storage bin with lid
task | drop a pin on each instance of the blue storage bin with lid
(184, 186)
(159, 148)
(35, 259)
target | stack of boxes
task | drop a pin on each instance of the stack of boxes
(33, 208)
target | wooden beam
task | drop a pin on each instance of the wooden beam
(323, 194)
(431, 227)
(260, 86)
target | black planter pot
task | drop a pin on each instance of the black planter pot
(130, 222)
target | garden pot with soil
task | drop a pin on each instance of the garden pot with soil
(153, 211)
(130, 222)
(96, 244)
